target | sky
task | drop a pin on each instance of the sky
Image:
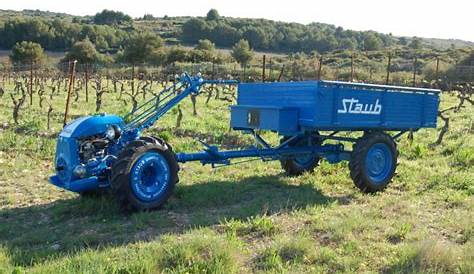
(453, 19)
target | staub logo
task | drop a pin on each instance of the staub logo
(353, 106)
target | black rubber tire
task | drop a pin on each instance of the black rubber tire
(358, 160)
(120, 175)
(291, 167)
(157, 140)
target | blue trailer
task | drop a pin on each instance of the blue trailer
(109, 152)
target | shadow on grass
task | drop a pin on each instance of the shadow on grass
(32, 234)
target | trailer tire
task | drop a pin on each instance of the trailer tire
(373, 161)
(143, 176)
(300, 165)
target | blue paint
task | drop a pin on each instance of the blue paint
(328, 105)
(90, 125)
(379, 162)
(214, 156)
(149, 176)
(290, 109)
(281, 119)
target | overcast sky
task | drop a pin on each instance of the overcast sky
(424, 18)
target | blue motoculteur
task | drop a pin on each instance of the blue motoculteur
(107, 151)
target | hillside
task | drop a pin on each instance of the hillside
(55, 31)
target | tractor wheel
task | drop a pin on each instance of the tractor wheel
(306, 163)
(373, 161)
(143, 176)
(156, 140)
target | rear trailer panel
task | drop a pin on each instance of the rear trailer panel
(330, 105)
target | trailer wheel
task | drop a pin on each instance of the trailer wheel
(143, 176)
(299, 165)
(373, 161)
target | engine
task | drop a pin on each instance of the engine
(93, 147)
(84, 150)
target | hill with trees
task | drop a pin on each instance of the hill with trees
(108, 31)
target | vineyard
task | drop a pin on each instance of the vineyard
(250, 218)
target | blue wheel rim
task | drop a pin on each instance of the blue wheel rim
(379, 162)
(305, 160)
(150, 176)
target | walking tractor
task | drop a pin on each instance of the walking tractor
(106, 151)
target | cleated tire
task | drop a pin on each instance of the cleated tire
(298, 166)
(144, 175)
(373, 161)
(156, 140)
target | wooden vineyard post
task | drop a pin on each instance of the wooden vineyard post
(281, 73)
(414, 71)
(320, 67)
(31, 83)
(437, 69)
(387, 79)
(263, 68)
(271, 69)
(87, 82)
(72, 70)
(352, 67)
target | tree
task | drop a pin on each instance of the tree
(193, 30)
(468, 61)
(27, 52)
(224, 35)
(138, 48)
(177, 54)
(205, 51)
(372, 42)
(348, 43)
(110, 17)
(205, 44)
(256, 37)
(415, 43)
(242, 53)
(213, 15)
(148, 17)
(403, 41)
(84, 52)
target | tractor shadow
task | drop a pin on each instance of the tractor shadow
(33, 234)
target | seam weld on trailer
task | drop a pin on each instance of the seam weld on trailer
(109, 152)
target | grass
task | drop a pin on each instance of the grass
(241, 219)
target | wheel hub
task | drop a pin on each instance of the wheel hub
(379, 162)
(149, 176)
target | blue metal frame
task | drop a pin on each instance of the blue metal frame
(334, 153)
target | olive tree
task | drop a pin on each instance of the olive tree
(242, 53)
(138, 48)
(85, 53)
(30, 53)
